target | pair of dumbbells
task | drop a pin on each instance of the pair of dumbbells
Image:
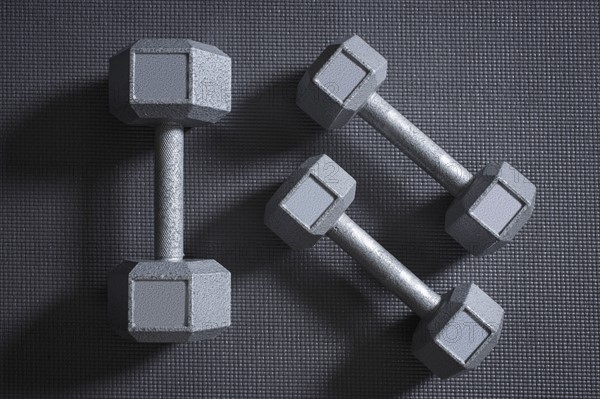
(170, 84)
(458, 330)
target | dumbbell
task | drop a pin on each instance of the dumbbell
(170, 84)
(489, 208)
(457, 331)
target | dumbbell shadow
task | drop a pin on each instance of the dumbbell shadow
(417, 237)
(236, 237)
(70, 343)
(380, 363)
(374, 362)
(80, 138)
(262, 124)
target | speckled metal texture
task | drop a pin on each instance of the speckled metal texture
(484, 234)
(203, 299)
(486, 80)
(460, 334)
(288, 224)
(206, 97)
(168, 192)
(169, 84)
(341, 80)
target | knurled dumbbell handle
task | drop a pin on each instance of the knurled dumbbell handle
(382, 264)
(414, 143)
(168, 192)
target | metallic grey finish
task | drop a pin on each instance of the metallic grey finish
(457, 331)
(462, 332)
(382, 264)
(321, 200)
(310, 202)
(343, 82)
(493, 209)
(161, 77)
(170, 80)
(161, 301)
(414, 143)
(340, 81)
(170, 84)
(168, 192)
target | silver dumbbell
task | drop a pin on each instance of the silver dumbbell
(169, 84)
(457, 330)
(490, 208)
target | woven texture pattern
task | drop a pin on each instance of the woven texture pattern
(515, 81)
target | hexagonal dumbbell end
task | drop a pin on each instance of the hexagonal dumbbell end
(460, 334)
(340, 81)
(170, 80)
(310, 202)
(492, 210)
(160, 301)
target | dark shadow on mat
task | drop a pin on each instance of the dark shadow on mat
(98, 143)
(377, 365)
(263, 124)
(380, 366)
(70, 343)
(242, 242)
(418, 238)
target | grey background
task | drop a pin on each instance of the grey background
(515, 81)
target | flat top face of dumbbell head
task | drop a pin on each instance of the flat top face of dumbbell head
(162, 301)
(340, 81)
(170, 80)
(461, 333)
(491, 211)
(310, 202)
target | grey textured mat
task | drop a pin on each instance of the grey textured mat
(488, 81)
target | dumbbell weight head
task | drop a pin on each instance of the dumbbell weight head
(170, 80)
(310, 202)
(161, 301)
(462, 329)
(460, 334)
(490, 212)
(173, 84)
(340, 81)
